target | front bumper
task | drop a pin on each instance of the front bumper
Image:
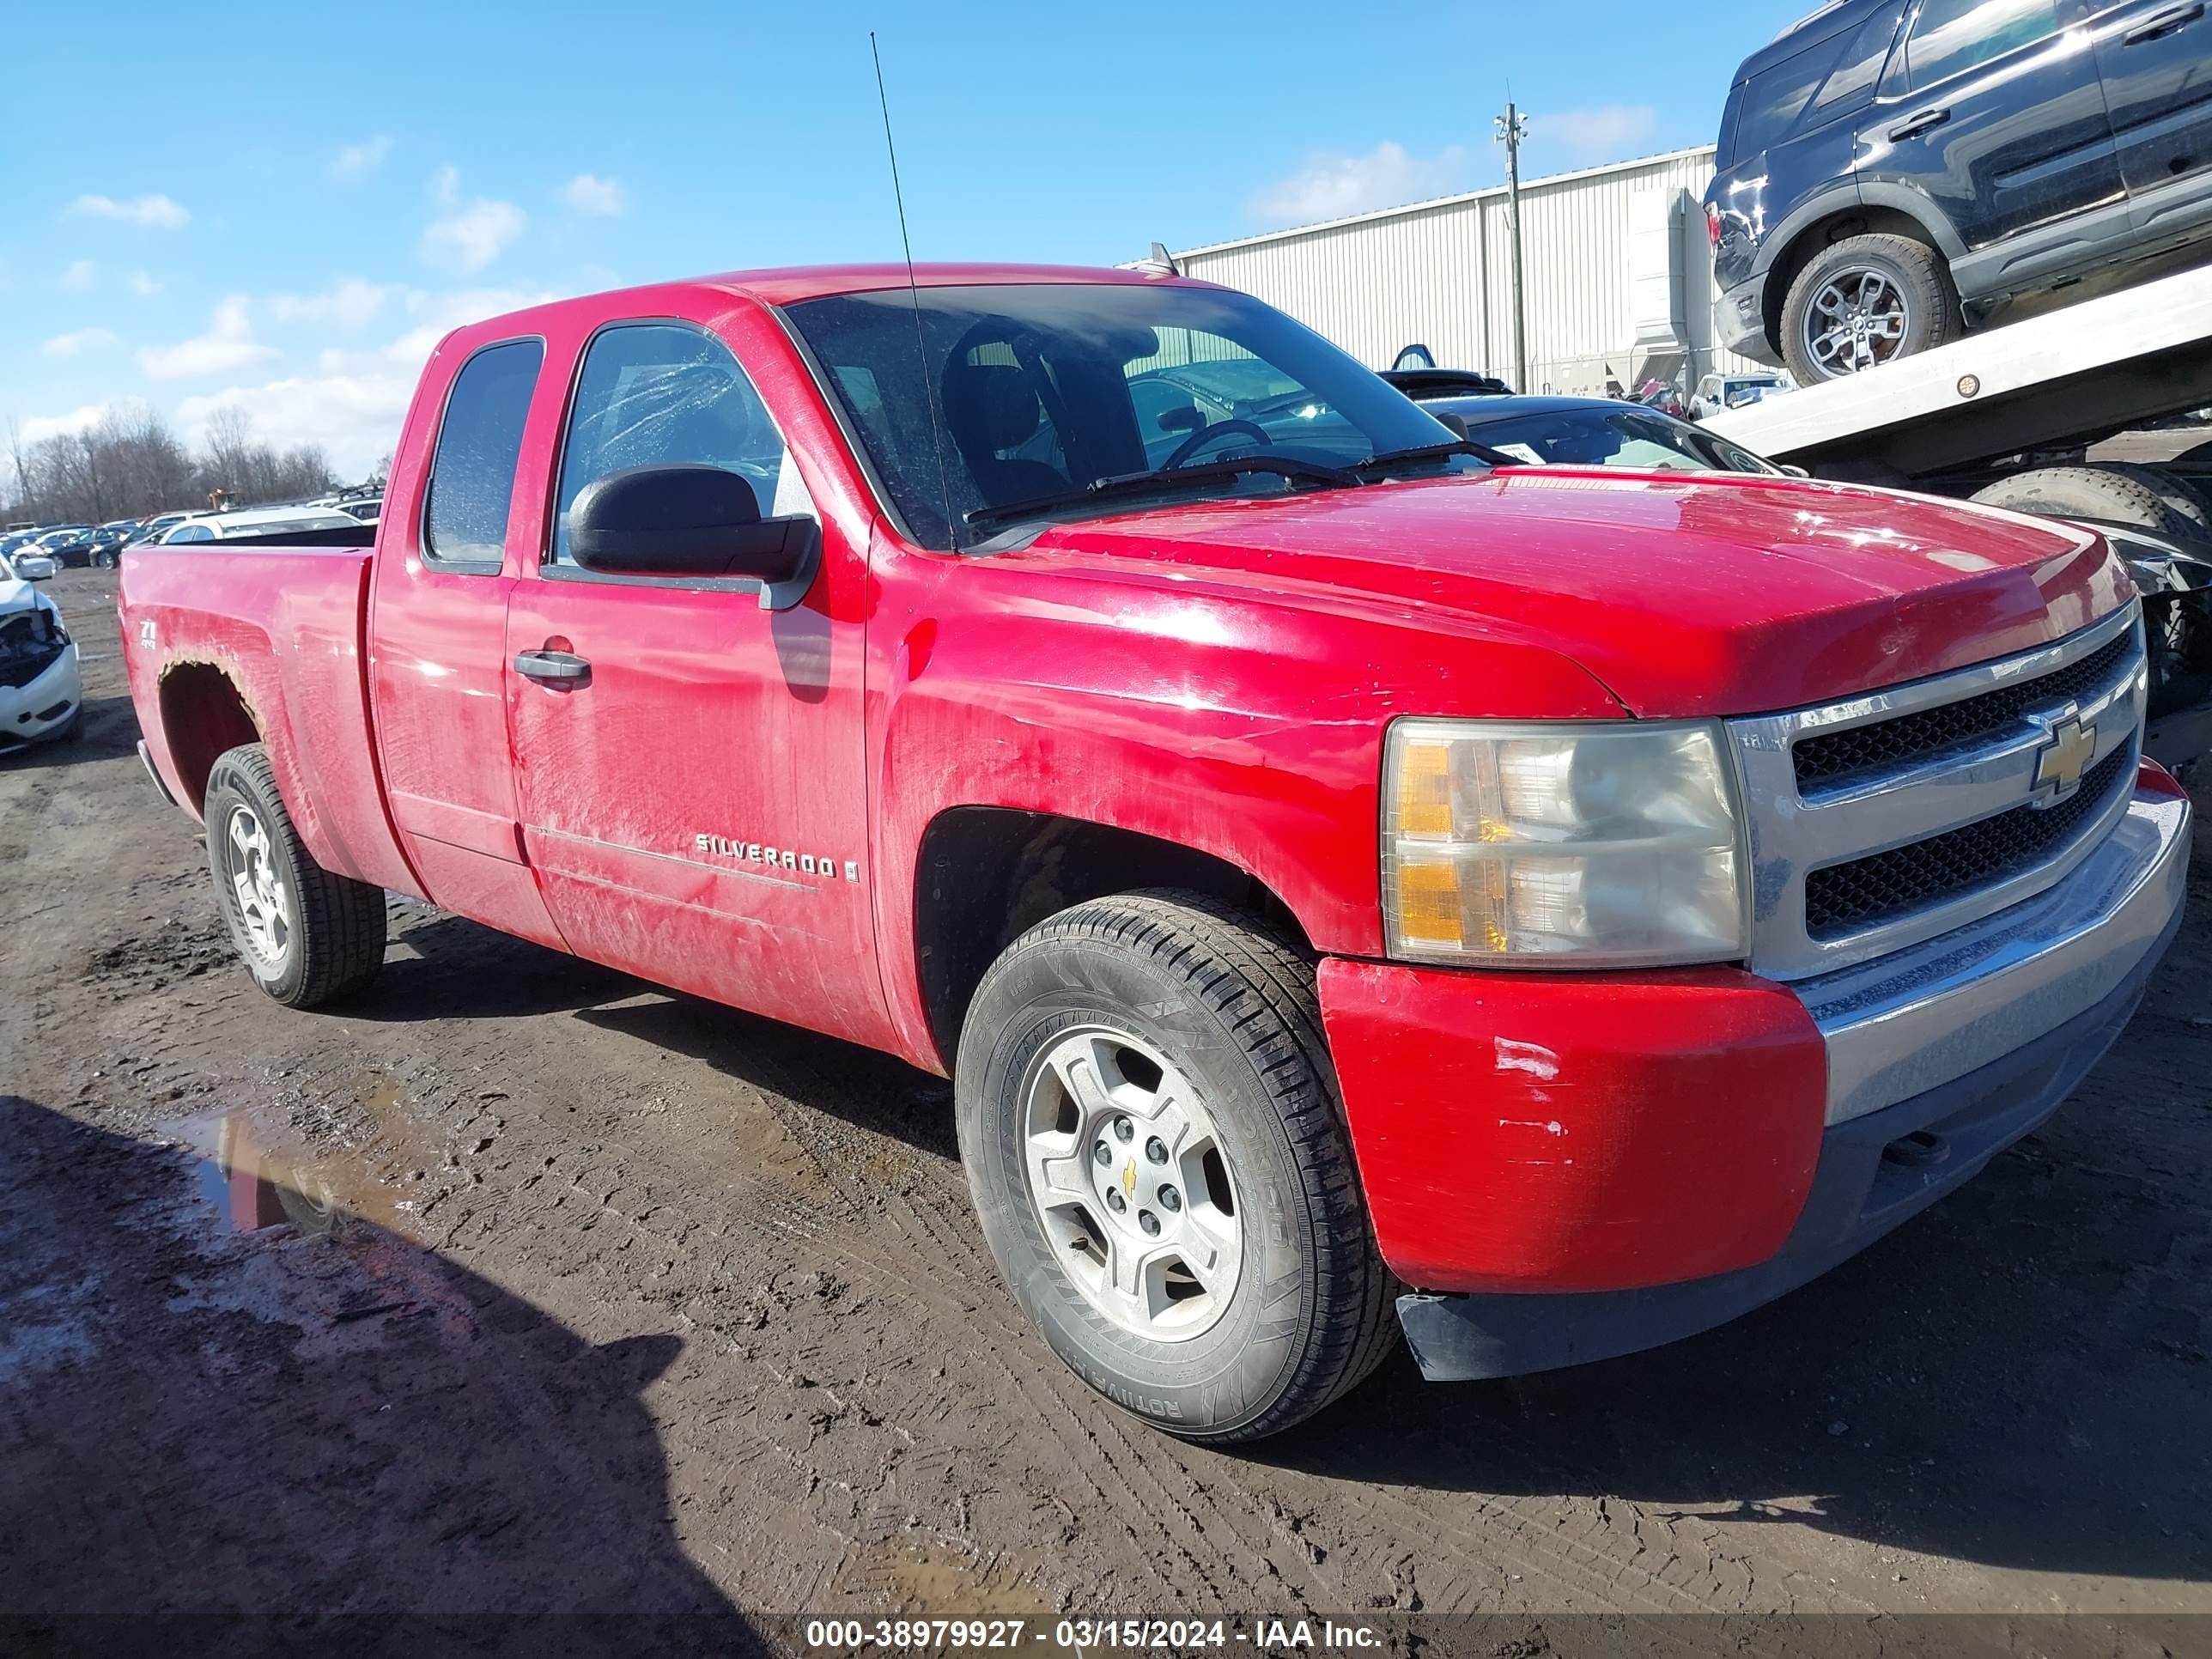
(44, 707)
(1572, 1167)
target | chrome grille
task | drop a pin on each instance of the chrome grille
(1910, 738)
(1921, 809)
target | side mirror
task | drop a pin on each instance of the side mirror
(691, 520)
(1184, 417)
(1791, 469)
(1454, 424)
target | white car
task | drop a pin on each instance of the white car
(41, 693)
(1716, 392)
(258, 522)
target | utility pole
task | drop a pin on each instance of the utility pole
(1512, 128)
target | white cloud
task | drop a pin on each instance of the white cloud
(588, 193)
(84, 339)
(469, 236)
(143, 286)
(438, 314)
(356, 161)
(155, 212)
(1330, 186)
(80, 274)
(1605, 133)
(39, 428)
(228, 344)
(355, 417)
(352, 303)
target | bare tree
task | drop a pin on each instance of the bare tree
(131, 463)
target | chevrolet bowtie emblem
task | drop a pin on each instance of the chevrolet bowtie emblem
(1129, 1179)
(2063, 759)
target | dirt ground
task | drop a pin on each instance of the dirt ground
(583, 1297)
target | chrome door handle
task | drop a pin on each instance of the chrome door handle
(1920, 121)
(553, 668)
(2161, 23)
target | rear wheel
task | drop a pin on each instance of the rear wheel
(2182, 496)
(2117, 492)
(1865, 301)
(2126, 494)
(306, 934)
(1149, 1122)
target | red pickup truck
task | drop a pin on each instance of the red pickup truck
(1335, 867)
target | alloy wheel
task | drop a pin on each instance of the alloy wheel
(1859, 320)
(265, 904)
(1131, 1183)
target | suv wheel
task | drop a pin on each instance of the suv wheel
(1865, 301)
(1149, 1121)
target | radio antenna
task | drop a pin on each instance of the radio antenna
(914, 296)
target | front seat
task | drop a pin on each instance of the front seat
(989, 407)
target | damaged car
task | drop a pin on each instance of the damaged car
(42, 695)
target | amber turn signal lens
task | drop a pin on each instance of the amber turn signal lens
(1424, 790)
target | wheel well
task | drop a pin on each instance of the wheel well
(987, 874)
(1826, 233)
(202, 716)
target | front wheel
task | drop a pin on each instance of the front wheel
(1865, 301)
(1149, 1122)
(307, 934)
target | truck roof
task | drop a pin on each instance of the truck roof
(791, 284)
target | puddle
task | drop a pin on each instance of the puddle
(254, 1178)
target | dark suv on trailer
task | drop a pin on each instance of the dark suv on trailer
(1889, 168)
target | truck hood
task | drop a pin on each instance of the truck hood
(1686, 594)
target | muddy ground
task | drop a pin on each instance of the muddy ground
(584, 1296)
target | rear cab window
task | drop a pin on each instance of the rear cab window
(1830, 78)
(479, 446)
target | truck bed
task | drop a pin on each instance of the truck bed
(285, 622)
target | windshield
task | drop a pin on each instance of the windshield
(1039, 390)
(1625, 435)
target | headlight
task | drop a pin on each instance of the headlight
(1510, 845)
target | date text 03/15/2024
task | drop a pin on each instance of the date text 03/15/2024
(1090, 1635)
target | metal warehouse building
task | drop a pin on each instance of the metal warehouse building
(1616, 268)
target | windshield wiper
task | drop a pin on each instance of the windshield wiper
(1293, 468)
(1421, 453)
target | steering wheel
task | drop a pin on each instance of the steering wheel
(1206, 435)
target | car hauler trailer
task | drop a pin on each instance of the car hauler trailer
(2008, 417)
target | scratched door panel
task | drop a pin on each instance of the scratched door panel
(695, 811)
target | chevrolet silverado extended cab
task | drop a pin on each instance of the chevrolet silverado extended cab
(1332, 866)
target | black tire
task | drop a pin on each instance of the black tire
(2183, 496)
(1917, 271)
(103, 561)
(333, 941)
(2101, 490)
(1235, 1008)
(2119, 492)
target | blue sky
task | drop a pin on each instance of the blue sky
(283, 208)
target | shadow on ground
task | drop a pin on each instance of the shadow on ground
(328, 1435)
(2017, 1378)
